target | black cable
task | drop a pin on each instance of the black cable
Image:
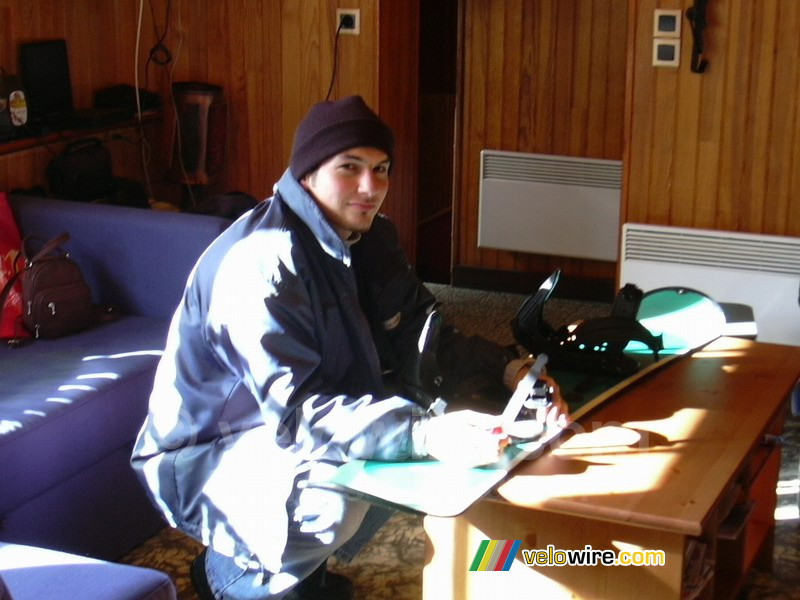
(166, 21)
(335, 58)
(159, 54)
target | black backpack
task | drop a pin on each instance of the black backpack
(82, 171)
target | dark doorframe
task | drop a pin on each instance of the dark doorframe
(438, 30)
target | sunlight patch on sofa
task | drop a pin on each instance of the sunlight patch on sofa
(7, 426)
(76, 387)
(109, 375)
(59, 400)
(125, 354)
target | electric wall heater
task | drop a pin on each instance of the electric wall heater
(762, 271)
(555, 205)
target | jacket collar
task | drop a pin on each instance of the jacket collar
(303, 205)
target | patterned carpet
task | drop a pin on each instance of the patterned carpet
(390, 567)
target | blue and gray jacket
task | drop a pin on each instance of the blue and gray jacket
(275, 360)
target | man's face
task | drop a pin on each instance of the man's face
(350, 188)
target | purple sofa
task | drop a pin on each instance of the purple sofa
(31, 573)
(70, 408)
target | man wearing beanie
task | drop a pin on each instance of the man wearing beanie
(294, 350)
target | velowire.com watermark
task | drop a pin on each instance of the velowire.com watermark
(498, 555)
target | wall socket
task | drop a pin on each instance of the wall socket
(351, 18)
(666, 52)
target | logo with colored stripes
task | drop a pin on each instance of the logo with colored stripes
(495, 555)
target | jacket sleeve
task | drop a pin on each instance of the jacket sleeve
(397, 304)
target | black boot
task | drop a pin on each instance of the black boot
(324, 585)
(197, 573)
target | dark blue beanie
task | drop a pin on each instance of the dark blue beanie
(332, 127)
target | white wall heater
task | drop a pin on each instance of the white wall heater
(762, 271)
(543, 204)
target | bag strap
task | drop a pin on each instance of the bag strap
(79, 144)
(48, 247)
(10, 282)
(7, 290)
(13, 342)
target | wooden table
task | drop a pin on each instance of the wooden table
(683, 461)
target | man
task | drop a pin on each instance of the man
(276, 366)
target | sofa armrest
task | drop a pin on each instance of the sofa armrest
(42, 573)
(136, 259)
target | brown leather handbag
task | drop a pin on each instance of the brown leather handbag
(56, 301)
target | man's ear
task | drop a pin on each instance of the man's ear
(308, 180)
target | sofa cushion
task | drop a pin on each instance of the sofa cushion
(33, 573)
(103, 512)
(4, 593)
(69, 402)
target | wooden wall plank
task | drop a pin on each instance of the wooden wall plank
(562, 19)
(783, 124)
(737, 67)
(511, 71)
(763, 70)
(599, 67)
(617, 68)
(581, 78)
(269, 151)
(396, 88)
(472, 128)
(250, 80)
(712, 87)
(636, 191)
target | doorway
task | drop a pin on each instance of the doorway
(437, 104)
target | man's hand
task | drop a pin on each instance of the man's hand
(558, 412)
(466, 438)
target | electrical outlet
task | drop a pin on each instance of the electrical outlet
(348, 21)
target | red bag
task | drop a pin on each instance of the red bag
(11, 261)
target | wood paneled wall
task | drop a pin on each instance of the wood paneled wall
(274, 59)
(721, 149)
(543, 76)
(715, 150)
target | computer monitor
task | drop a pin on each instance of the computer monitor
(44, 68)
